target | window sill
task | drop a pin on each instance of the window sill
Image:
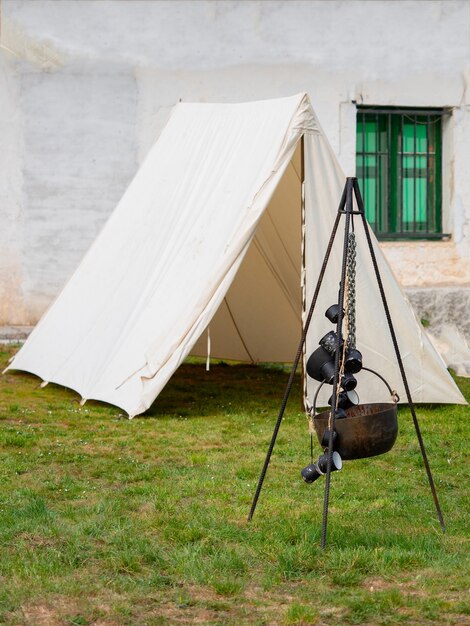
(409, 238)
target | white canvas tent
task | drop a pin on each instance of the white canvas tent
(210, 233)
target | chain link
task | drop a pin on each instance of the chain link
(351, 304)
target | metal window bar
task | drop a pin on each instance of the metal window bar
(364, 149)
(378, 169)
(388, 220)
(379, 199)
(408, 222)
(427, 183)
(415, 157)
(401, 144)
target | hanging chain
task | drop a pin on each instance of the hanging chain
(351, 277)
(349, 319)
(345, 345)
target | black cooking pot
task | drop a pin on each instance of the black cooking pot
(368, 429)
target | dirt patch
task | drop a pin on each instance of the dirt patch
(379, 584)
(41, 616)
(147, 508)
(190, 615)
(406, 586)
(51, 614)
(38, 541)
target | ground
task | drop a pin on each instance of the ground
(108, 521)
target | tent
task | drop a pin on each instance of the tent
(221, 233)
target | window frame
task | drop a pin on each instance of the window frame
(389, 223)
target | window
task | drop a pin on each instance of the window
(399, 162)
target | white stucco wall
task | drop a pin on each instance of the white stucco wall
(86, 86)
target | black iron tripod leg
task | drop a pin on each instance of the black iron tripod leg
(336, 382)
(360, 205)
(297, 357)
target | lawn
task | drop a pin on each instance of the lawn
(109, 521)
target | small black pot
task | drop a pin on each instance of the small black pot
(346, 399)
(348, 382)
(325, 442)
(313, 471)
(321, 366)
(352, 361)
(332, 313)
(328, 342)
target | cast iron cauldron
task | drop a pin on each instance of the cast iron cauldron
(368, 430)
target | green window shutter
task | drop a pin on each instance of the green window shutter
(398, 162)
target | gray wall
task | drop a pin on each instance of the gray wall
(85, 87)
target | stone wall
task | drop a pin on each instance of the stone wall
(442, 306)
(85, 88)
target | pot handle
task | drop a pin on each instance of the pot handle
(393, 393)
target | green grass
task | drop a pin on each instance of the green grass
(109, 521)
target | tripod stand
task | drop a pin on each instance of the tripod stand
(346, 209)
